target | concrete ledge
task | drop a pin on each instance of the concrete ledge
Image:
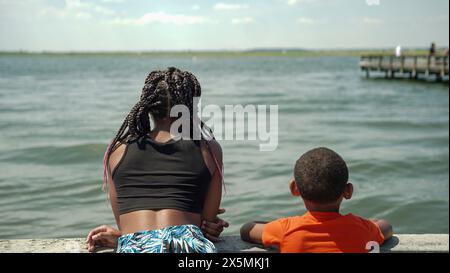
(229, 244)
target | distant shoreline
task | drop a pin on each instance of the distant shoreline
(225, 53)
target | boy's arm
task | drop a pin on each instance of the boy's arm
(385, 227)
(253, 232)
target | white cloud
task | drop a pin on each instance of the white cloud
(51, 11)
(161, 17)
(78, 5)
(311, 21)
(243, 20)
(112, 1)
(77, 9)
(103, 10)
(294, 2)
(83, 15)
(223, 6)
(306, 21)
(372, 21)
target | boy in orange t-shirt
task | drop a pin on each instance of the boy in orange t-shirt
(321, 180)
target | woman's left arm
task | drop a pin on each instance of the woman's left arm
(213, 157)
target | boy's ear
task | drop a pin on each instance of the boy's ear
(348, 193)
(293, 188)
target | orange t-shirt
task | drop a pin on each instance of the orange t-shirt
(322, 232)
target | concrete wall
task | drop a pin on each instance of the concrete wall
(229, 244)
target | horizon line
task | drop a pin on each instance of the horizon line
(243, 50)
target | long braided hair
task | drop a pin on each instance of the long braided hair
(162, 90)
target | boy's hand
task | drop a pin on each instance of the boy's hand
(212, 230)
(102, 236)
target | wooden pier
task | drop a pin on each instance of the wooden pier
(412, 67)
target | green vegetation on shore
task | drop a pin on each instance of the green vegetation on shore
(227, 54)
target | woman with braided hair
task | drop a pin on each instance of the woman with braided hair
(165, 191)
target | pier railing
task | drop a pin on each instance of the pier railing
(412, 66)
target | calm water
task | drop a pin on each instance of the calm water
(57, 114)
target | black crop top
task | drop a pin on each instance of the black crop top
(154, 176)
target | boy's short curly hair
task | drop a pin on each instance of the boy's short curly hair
(321, 175)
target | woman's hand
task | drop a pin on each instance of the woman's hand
(102, 236)
(212, 230)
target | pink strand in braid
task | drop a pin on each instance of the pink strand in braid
(105, 166)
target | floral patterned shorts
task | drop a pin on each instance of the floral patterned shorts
(176, 239)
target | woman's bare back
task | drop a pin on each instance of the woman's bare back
(153, 220)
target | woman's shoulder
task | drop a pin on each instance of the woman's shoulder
(215, 147)
(117, 155)
(212, 152)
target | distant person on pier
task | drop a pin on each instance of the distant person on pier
(433, 49)
(398, 51)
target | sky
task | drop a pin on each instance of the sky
(139, 25)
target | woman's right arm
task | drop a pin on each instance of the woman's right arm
(106, 236)
(113, 161)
